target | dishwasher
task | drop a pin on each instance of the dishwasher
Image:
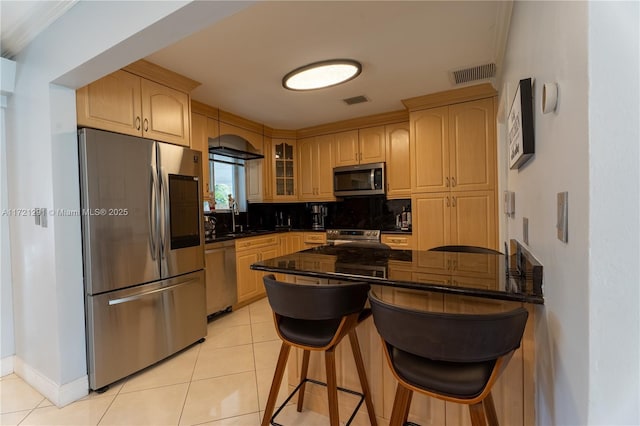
(220, 275)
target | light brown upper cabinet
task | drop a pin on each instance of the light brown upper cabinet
(283, 165)
(397, 159)
(453, 148)
(360, 146)
(126, 103)
(315, 166)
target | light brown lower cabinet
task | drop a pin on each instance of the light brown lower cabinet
(249, 251)
(454, 218)
(513, 393)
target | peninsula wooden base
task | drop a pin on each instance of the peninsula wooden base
(513, 393)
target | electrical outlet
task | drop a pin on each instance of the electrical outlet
(562, 226)
(525, 230)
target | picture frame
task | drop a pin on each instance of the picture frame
(520, 125)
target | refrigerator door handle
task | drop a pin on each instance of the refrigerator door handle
(167, 220)
(146, 293)
(153, 215)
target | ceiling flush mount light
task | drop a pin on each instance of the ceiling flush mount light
(322, 74)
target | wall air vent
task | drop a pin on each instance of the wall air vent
(481, 72)
(356, 100)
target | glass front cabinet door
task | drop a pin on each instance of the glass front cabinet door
(284, 169)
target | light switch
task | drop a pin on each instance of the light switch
(562, 225)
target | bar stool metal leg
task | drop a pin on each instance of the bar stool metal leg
(275, 385)
(362, 375)
(303, 376)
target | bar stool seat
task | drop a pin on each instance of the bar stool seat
(452, 357)
(316, 318)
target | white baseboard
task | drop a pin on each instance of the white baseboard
(60, 395)
(6, 365)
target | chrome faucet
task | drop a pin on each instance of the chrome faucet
(233, 206)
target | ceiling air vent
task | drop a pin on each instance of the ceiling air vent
(356, 100)
(481, 72)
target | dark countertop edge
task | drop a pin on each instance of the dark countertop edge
(460, 291)
(281, 231)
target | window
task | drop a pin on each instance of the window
(227, 175)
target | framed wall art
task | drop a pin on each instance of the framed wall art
(520, 125)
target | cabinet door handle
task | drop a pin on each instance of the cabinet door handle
(146, 125)
(453, 181)
(447, 182)
(137, 123)
(453, 201)
(447, 201)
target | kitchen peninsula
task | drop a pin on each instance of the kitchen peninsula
(426, 280)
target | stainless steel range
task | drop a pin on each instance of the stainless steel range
(356, 239)
(341, 236)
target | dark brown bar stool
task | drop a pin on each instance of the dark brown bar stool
(466, 249)
(316, 318)
(452, 357)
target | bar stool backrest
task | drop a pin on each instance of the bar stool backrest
(315, 302)
(446, 336)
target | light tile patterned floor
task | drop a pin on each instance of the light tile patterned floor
(224, 381)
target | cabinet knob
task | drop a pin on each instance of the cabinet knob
(447, 182)
(137, 123)
(146, 125)
(447, 201)
(453, 181)
(453, 201)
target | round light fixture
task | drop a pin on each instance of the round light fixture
(322, 74)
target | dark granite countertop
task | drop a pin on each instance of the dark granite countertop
(469, 274)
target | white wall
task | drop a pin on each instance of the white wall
(42, 170)
(614, 194)
(7, 346)
(576, 341)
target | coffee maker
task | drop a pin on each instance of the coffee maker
(318, 213)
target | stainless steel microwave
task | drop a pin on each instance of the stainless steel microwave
(361, 179)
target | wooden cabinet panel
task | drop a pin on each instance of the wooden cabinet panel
(126, 103)
(430, 150)
(199, 142)
(249, 251)
(315, 168)
(398, 161)
(283, 166)
(473, 219)
(268, 187)
(362, 146)
(346, 148)
(165, 113)
(372, 145)
(395, 241)
(454, 147)
(431, 220)
(306, 161)
(473, 146)
(112, 103)
(246, 278)
(324, 154)
(454, 218)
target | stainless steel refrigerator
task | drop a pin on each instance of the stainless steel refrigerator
(143, 252)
